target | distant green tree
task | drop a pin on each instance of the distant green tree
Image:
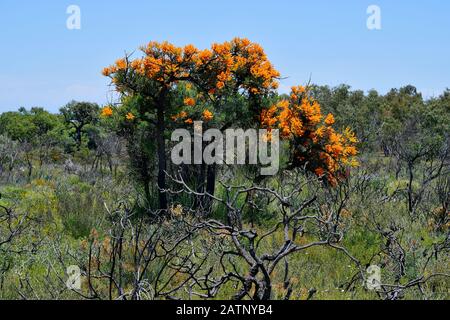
(33, 130)
(416, 134)
(17, 125)
(26, 126)
(78, 115)
(353, 109)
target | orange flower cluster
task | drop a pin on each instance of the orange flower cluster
(253, 67)
(162, 62)
(189, 102)
(239, 63)
(315, 143)
(107, 112)
(295, 116)
(184, 116)
(180, 116)
(130, 116)
(207, 115)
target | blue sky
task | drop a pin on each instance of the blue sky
(45, 64)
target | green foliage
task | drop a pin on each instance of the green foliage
(27, 125)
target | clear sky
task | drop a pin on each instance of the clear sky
(45, 64)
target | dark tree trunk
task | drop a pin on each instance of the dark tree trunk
(199, 171)
(30, 168)
(210, 186)
(411, 206)
(145, 177)
(211, 179)
(162, 164)
(78, 136)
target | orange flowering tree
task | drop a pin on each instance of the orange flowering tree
(148, 85)
(186, 84)
(230, 84)
(314, 143)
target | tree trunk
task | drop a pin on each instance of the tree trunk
(79, 136)
(210, 185)
(162, 164)
(410, 189)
